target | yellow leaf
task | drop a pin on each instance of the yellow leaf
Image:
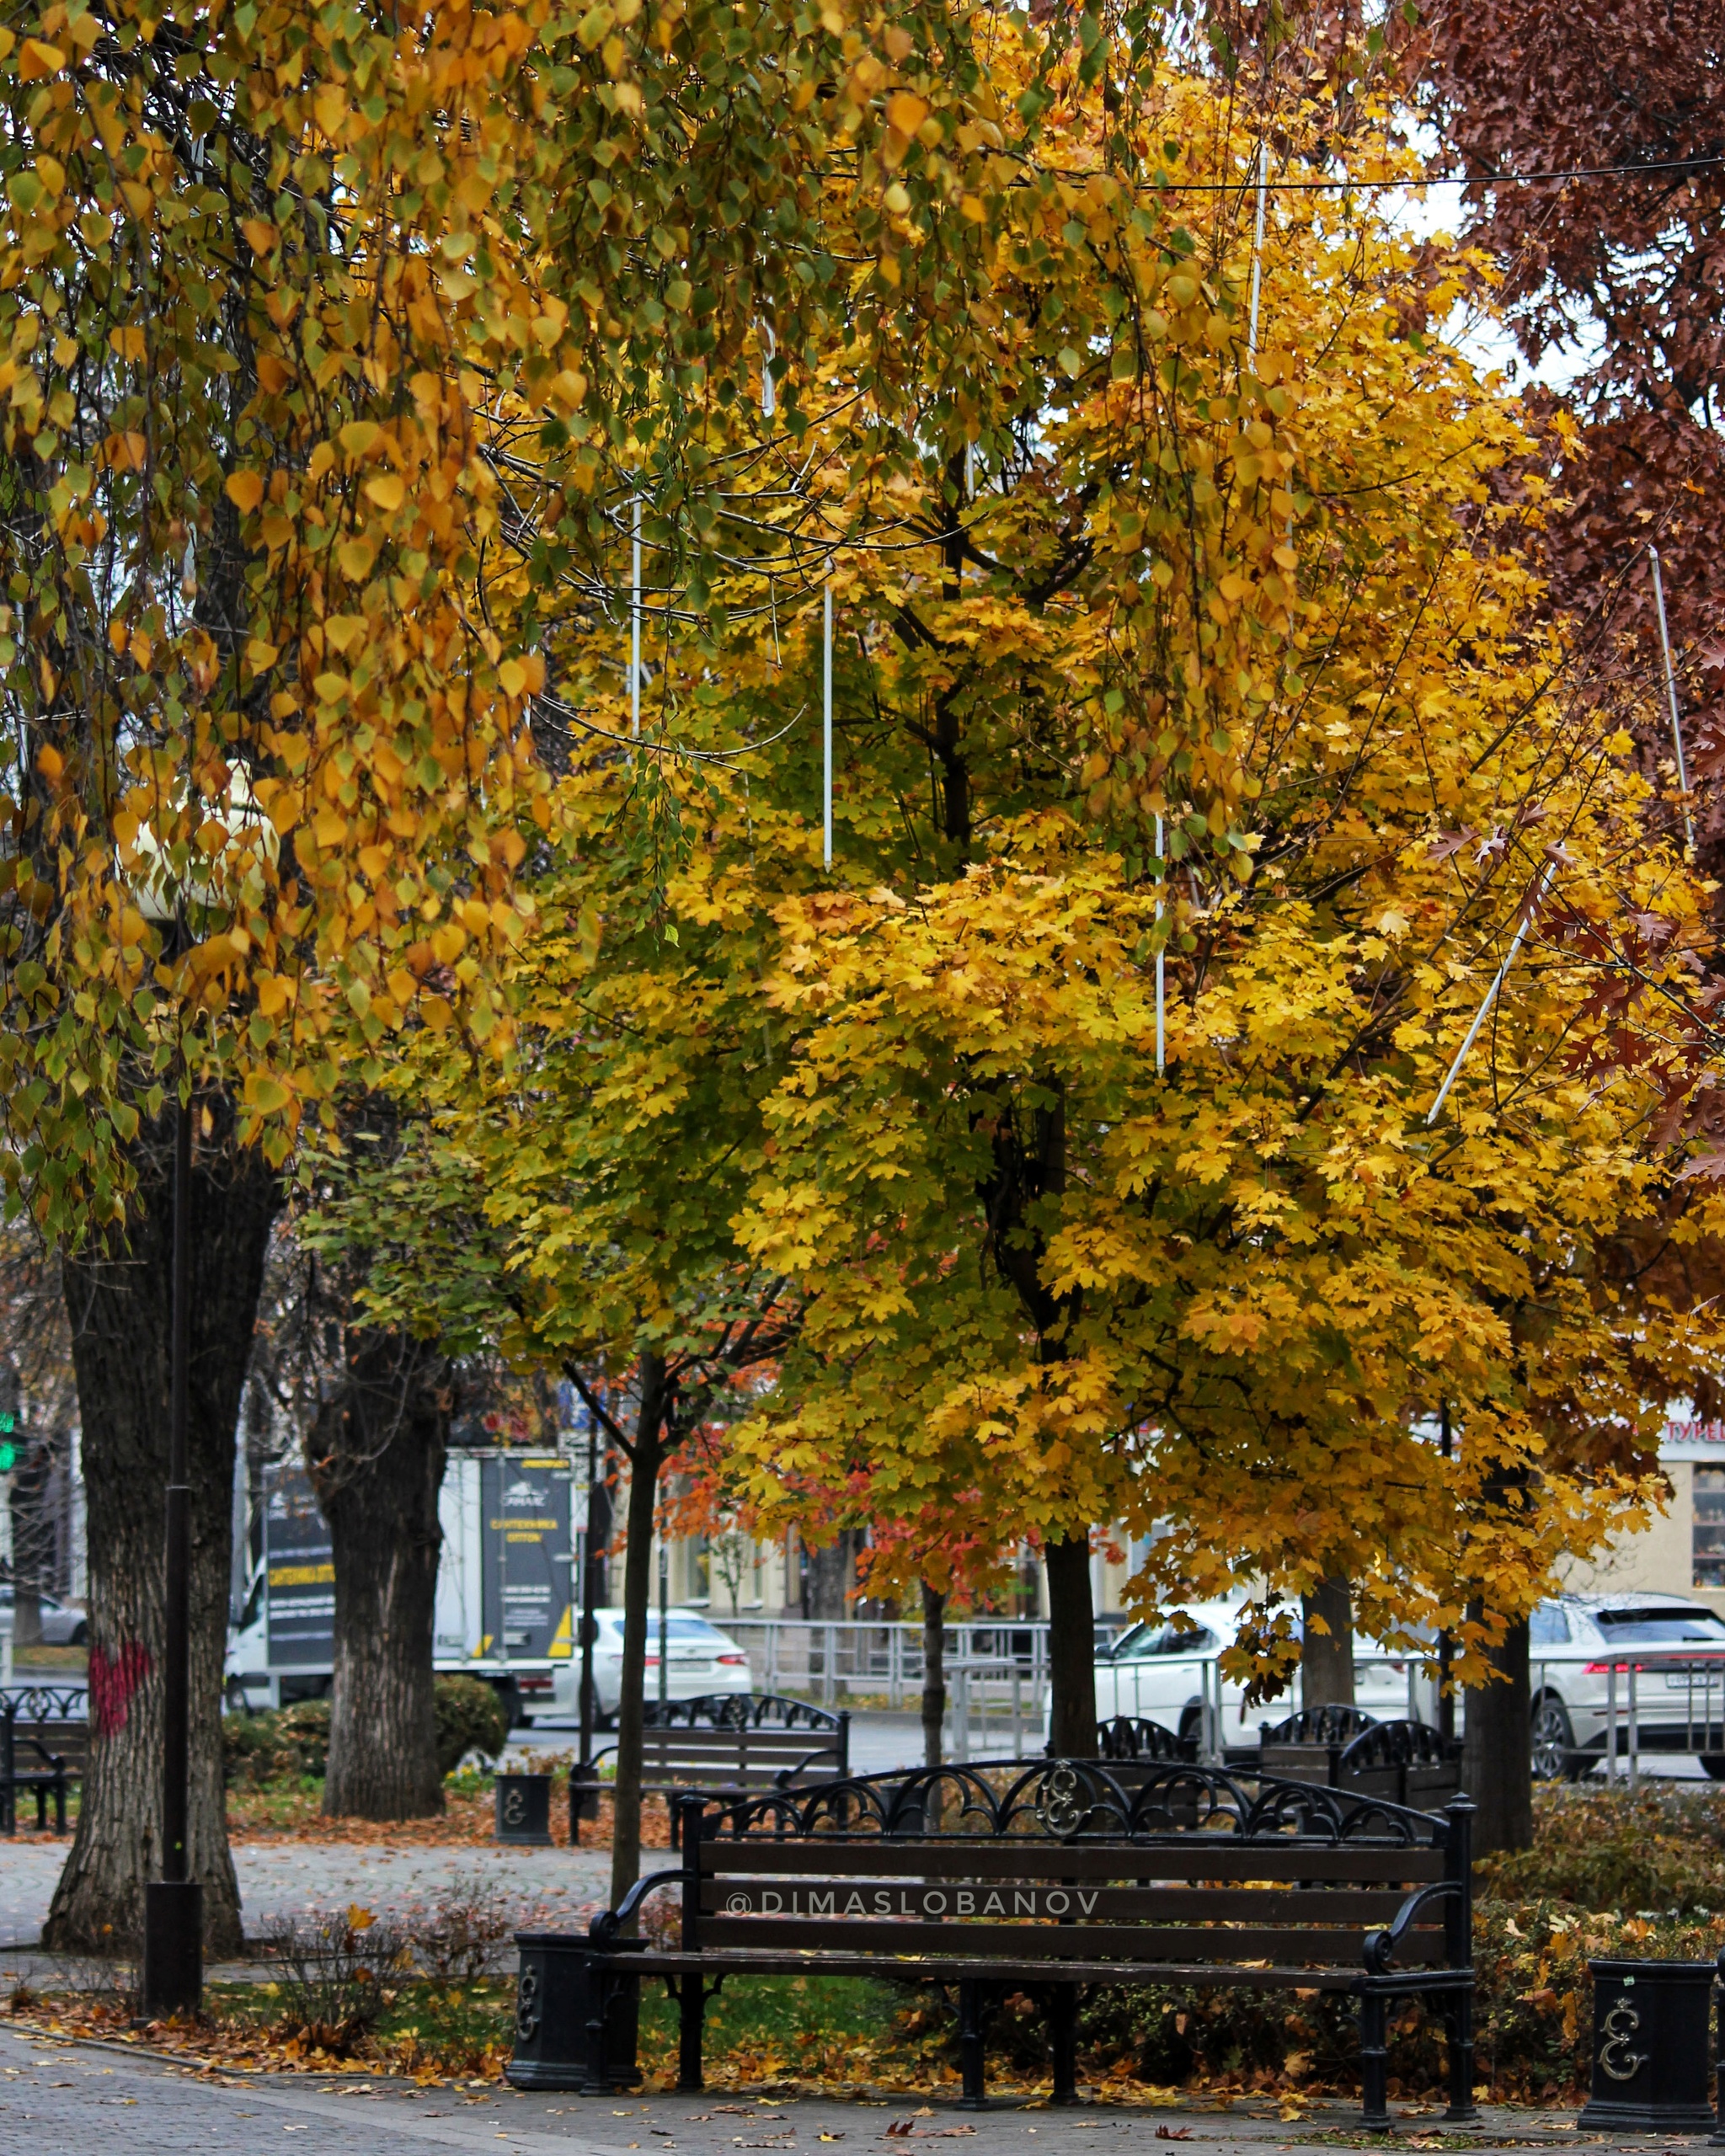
(245, 490)
(905, 112)
(266, 1096)
(387, 490)
(38, 59)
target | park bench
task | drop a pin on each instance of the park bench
(1049, 1878)
(1407, 1762)
(1133, 1738)
(735, 1741)
(44, 1747)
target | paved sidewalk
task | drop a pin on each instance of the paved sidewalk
(562, 1885)
(83, 2100)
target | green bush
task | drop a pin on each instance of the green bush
(294, 1741)
(284, 1746)
(471, 1717)
(1661, 1852)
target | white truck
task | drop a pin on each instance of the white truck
(505, 1587)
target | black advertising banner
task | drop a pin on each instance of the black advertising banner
(528, 1554)
(301, 1568)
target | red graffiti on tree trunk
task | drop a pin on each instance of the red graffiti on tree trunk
(113, 1680)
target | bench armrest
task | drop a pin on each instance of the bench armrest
(787, 1775)
(1381, 1945)
(606, 1928)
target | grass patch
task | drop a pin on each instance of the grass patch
(771, 2028)
(445, 2031)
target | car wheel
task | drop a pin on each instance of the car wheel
(80, 1636)
(1553, 1740)
(1192, 1727)
(234, 1692)
(1713, 1763)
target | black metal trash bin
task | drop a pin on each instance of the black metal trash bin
(577, 2015)
(524, 1810)
(1650, 2047)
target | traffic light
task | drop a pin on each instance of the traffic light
(9, 1444)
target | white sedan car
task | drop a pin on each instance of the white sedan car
(699, 1659)
(63, 1623)
(1161, 1671)
(1679, 1686)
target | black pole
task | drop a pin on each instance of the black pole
(664, 1621)
(1446, 1645)
(174, 1905)
(583, 1793)
(590, 1579)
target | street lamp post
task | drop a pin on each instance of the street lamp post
(173, 1904)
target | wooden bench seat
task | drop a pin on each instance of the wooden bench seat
(1053, 1877)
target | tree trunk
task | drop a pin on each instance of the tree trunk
(1496, 1759)
(832, 1576)
(648, 1453)
(1072, 1649)
(376, 1457)
(934, 1673)
(117, 1301)
(1327, 1656)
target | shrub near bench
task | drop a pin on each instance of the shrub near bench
(1050, 1878)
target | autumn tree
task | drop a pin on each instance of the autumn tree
(264, 280)
(1613, 270)
(375, 1408)
(1219, 652)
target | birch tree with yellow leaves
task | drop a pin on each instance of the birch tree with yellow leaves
(267, 278)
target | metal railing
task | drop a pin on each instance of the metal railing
(997, 1674)
(992, 1663)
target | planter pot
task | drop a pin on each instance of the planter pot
(1650, 2047)
(524, 1810)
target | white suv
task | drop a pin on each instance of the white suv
(1679, 1703)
